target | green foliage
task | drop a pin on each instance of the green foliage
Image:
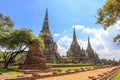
(15, 41)
(6, 26)
(18, 57)
(1, 56)
(22, 37)
(109, 62)
(37, 40)
(117, 38)
(10, 37)
(108, 14)
(5, 22)
(13, 67)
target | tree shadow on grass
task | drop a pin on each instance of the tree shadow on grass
(10, 70)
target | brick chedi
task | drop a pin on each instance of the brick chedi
(34, 59)
(50, 52)
(75, 53)
(78, 55)
(92, 56)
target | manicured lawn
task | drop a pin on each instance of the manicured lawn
(13, 67)
(117, 77)
(66, 68)
(68, 65)
(9, 71)
(63, 67)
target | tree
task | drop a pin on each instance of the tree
(6, 25)
(1, 56)
(117, 38)
(109, 14)
(105, 62)
(15, 41)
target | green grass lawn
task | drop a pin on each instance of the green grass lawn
(10, 71)
(66, 68)
(69, 66)
(63, 67)
(117, 77)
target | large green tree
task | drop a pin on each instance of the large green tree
(109, 14)
(15, 41)
(6, 26)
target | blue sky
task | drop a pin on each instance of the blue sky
(63, 16)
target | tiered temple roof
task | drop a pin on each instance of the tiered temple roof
(50, 52)
(81, 56)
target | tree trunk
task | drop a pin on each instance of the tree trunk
(6, 64)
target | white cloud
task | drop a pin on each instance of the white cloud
(62, 50)
(56, 35)
(109, 53)
(90, 31)
(102, 42)
(78, 27)
(82, 43)
(63, 44)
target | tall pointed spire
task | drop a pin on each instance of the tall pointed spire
(50, 52)
(45, 29)
(74, 37)
(89, 45)
(75, 42)
(46, 23)
(89, 42)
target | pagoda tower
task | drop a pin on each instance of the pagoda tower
(50, 52)
(89, 45)
(75, 50)
(92, 56)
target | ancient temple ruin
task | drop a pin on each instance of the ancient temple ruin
(34, 59)
(50, 52)
(92, 55)
(78, 55)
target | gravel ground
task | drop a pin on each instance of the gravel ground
(75, 76)
(79, 76)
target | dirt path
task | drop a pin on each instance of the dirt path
(75, 76)
(3, 76)
(79, 76)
